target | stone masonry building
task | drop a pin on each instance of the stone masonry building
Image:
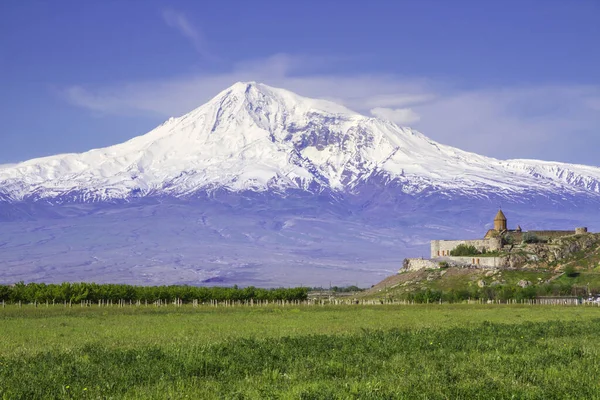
(496, 239)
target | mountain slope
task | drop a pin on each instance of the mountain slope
(261, 186)
(254, 137)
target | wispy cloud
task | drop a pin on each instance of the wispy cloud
(401, 116)
(399, 99)
(179, 21)
(556, 122)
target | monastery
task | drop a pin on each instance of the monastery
(499, 239)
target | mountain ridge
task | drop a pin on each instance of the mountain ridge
(262, 187)
(255, 137)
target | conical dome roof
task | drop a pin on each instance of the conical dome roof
(500, 216)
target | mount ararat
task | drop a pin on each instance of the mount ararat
(262, 186)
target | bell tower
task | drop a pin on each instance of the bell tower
(500, 222)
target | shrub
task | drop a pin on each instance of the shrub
(346, 289)
(529, 237)
(570, 271)
(464, 250)
(508, 239)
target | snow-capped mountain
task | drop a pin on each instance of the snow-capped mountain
(255, 137)
(260, 186)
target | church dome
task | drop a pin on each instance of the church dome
(500, 222)
(500, 216)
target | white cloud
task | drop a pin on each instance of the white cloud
(398, 100)
(557, 122)
(180, 22)
(549, 122)
(401, 116)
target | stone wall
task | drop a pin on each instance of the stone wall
(551, 234)
(480, 262)
(442, 248)
(416, 264)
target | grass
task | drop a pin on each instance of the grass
(345, 352)
(582, 279)
(462, 279)
(512, 277)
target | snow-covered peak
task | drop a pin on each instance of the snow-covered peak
(257, 94)
(255, 137)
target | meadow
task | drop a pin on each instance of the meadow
(446, 351)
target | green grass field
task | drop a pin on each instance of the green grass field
(333, 352)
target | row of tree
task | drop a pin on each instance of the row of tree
(502, 293)
(78, 292)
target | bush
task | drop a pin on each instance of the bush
(570, 271)
(464, 250)
(425, 296)
(508, 239)
(346, 289)
(529, 237)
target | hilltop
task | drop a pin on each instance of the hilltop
(568, 265)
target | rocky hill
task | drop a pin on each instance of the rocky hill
(577, 251)
(565, 266)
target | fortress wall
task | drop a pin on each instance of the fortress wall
(415, 264)
(552, 234)
(480, 262)
(517, 237)
(442, 248)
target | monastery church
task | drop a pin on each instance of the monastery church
(498, 239)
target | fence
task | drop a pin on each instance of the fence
(571, 301)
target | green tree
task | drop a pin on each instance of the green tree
(464, 250)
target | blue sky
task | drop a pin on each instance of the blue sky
(508, 79)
